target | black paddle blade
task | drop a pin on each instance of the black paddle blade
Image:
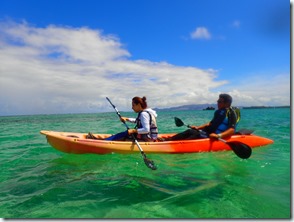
(150, 164)
(240, 149)
(179, 122)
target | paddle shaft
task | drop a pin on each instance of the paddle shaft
(119, 115)
(222, 140)
(149, 163)
(198, 129)
(117, 112)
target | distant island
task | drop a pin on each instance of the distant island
(212, 107)
(209, 108)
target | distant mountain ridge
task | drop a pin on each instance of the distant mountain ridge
(204, 106)
(187, 107)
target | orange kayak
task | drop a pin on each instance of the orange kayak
(77, 143)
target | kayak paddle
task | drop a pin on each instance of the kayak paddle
(242, 150)
(179, 122)
(149, 163)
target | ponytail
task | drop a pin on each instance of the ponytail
(142, 101)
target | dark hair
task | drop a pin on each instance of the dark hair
(142, 101)
(226, 97)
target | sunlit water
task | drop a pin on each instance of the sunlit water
(38, 181)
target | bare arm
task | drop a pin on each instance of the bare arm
(229, 132)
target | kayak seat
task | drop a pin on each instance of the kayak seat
(91, 136)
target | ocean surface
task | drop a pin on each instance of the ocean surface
(37, 181)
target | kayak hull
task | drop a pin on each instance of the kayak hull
(77, 143)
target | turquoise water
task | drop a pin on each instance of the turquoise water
(38, 181)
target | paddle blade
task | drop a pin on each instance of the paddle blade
(150, 164)
(240, 149)
(179, 122)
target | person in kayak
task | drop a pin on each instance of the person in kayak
(222, 125)
(146, 126)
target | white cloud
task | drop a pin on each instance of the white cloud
(70, 70)
(201, 33)
(264, 89)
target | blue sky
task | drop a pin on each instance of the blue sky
(67, 56)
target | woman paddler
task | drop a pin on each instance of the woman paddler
(146, 127)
